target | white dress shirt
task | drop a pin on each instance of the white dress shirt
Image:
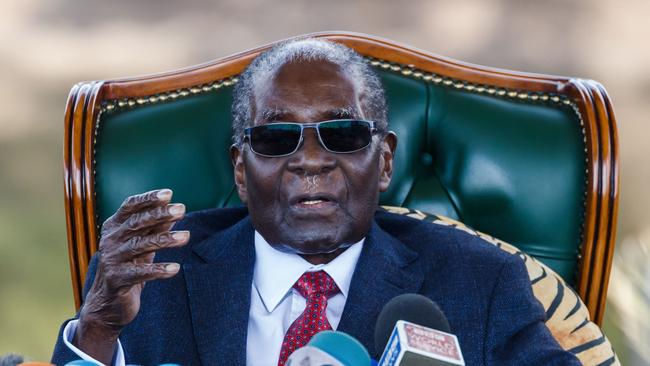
(274, 302)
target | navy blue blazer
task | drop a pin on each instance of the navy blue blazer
(200, 316)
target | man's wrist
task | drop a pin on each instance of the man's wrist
(96, 331)
(96, 339)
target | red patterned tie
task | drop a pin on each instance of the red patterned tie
(316, 287)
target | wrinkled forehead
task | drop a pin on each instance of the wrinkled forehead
(306, 89)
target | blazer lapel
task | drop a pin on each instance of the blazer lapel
(219, 290)
(386, 268)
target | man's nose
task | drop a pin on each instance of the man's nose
(311, 157)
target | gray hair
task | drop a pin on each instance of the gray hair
(308, 49)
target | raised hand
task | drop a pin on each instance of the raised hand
(127, 247)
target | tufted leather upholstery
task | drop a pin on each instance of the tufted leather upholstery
(511, 168)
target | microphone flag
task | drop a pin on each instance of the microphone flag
(415, 345)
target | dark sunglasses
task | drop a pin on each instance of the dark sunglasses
(284, 138)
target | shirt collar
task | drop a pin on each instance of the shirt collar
(273, 284)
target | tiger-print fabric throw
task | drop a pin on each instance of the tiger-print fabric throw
(567, 316)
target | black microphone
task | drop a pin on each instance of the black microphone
(412, 330)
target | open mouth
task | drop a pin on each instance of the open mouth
(314, 202)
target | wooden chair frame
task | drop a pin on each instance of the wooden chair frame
(87, 100)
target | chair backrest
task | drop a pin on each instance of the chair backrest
(530, 159)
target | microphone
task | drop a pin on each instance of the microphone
(311, 356)
(412, 331)
(332, 349)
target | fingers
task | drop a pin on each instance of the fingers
(148, 219)
(127, 247)
(137, 246)
(165, 226)
(139, 202)
(129, 274)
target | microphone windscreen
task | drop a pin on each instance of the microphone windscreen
(412, 308)
(341, 346)
(312, 356)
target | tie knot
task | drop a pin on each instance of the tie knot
(316, 283)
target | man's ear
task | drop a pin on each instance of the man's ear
(237, 158)
(387, 153)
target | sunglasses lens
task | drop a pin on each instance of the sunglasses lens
(340, 136)
(345, 135)
(275, 139)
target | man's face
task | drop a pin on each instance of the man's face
(312, 202)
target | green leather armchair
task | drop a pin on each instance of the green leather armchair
(530, 159)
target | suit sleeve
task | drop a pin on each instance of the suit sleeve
(516, 333)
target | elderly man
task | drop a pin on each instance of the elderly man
(312, 152)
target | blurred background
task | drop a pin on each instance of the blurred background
(47, 46)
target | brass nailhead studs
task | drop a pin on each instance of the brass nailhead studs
(407, 70)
